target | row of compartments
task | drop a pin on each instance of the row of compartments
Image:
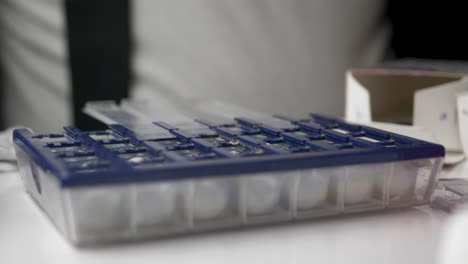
(163, 208)
(293, 141)
(80, 158)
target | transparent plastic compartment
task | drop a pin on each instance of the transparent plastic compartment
(109, 213)
(364, 186)
(318, 192)
(412, 181)
(139, 180)
(44, 188)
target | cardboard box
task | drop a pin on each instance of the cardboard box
(432, 95)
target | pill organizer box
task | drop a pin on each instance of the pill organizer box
(140, 179)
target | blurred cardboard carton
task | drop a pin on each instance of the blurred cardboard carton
(432, 95)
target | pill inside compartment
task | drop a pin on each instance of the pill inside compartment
(158, 208)
(215, 202)
(99, 213)
(364, 186)
(266, 197)
(317, 192)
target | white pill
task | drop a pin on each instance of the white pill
(210, 199)
(263, 194)
(312, 190)
(359, 186)
(155, 204)
(100, 210)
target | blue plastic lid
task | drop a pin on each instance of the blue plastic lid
(164, 151)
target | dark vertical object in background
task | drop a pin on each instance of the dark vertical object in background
(2, 121)
(2, 94)
(428, 29)
(99, 48)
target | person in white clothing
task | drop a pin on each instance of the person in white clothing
(273, 56)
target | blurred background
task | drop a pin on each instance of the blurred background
(273, 56)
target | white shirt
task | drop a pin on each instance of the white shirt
(273, 56)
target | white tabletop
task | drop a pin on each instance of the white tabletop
(402, 236)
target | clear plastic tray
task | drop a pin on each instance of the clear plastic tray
(151, 180)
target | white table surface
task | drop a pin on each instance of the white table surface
(403, 236)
